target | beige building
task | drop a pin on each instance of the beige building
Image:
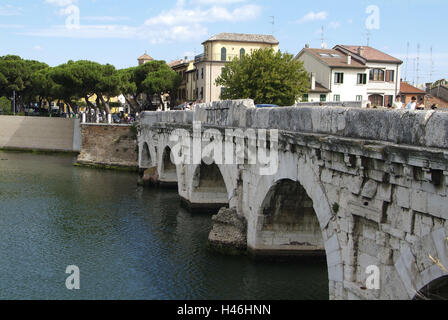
(144, 59)
(218, 51)
(185, 69)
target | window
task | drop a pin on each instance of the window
(376, 75)
(339, 78)
(305, 98)
(390, 75)
(223, 54)
(323, 97)
(376, 100)
(362, 78)
(336, 98)
(202, 73)
(358, 98)
(242, 53)
(202, 93)
(197, 74)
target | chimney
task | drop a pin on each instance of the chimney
(349, 59)
(313, 81)
(361, 51)
(307, 46)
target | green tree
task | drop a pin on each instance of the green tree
(140, 84)
(266, 76)
(16, 76)
(5, 105)
(84, 79)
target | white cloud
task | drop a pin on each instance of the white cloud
(60, 3)
(37, 48)
(186, 21)
(104, 18)
(9, 10)
(312, 16)
(334, 25)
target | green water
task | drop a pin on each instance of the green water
(129, 242)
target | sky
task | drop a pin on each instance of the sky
(119, 31)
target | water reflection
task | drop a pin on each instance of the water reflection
(129, 242)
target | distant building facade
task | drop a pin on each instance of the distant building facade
(408, 91)
(351, 73)
(220, 50)
(184, 68)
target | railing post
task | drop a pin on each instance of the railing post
(83, 117)
(109, 118)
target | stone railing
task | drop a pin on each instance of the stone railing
(415, 128)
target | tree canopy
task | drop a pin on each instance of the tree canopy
(83, 80)
(266, 76)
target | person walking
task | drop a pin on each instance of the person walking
(412, 105)
(398, 105)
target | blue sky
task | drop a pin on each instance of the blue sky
(117, 31)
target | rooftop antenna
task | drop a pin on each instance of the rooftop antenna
(368, 35)
(418, 64)
(322, 38)
(415, 71)
(273, 23)
(431, 67)
(407, 63)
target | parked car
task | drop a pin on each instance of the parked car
(267, 106)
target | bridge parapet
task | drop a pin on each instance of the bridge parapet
(416, 128)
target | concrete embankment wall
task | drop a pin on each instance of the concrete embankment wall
(40, 134)
(414, 128)
(109, 146)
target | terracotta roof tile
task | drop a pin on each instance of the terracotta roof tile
(408, 89)
(372, 54)
(334, 58)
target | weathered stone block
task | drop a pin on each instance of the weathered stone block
(403, 197)
(370, 189)
(419, 201)
(438, 205)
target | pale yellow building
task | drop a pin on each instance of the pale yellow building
(218, 51)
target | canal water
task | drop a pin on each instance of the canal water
(128, 242)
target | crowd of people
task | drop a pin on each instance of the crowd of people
(411, 106)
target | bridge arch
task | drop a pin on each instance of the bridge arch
(298, 172)
(210, 187)
(418, 273)
(289, 223)
(146, 159)
(168, 170)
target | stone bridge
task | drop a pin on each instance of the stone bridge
(363, 187)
